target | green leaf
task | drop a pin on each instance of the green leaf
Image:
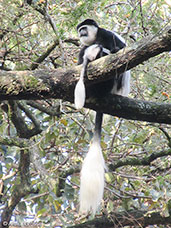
(22, 206)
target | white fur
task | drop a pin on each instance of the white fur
(125, 89)
(92, 52)
(79, 94)
(92, 179)
(126, 83)
(90, 38)
(107, 51)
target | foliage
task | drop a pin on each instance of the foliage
(61, 144)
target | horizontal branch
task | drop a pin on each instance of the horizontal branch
(13, 141)
(60, 84)
(145, 161)
(132, 109)
(135, 218)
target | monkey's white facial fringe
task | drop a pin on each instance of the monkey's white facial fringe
(79, 94)
(92, 179)
(89, 39)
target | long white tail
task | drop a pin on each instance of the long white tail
(92, 179)
(79, 94)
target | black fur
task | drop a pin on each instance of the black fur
(110, 41)
(104, 37)
(87, 22)
(94, 166)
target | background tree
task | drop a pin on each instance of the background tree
(44, 141)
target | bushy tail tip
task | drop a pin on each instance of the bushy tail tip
(92, 180)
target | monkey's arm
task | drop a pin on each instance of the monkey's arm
(90, 53)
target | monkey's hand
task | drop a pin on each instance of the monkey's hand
(93, 52)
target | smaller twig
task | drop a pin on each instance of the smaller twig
(36, 196)
(72, 41)
(142, 18)
(43, 56)
(117, 194)
(165, 133)
(50, 110)
(19, 122)
(116, 4)
(115, 134)
(138, 162)
(9, 176)
(29, 114)
(131, 177)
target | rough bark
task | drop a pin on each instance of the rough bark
(135, 218)
(132, 109)
(43, 84)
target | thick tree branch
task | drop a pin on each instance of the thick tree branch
(135, 218)
(14, 141)
(132, 109)
(42, 84)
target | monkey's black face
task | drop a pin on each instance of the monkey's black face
(87, 34)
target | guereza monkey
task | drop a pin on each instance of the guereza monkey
(97, 42)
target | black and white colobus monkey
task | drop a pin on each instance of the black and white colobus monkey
(97, 42)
